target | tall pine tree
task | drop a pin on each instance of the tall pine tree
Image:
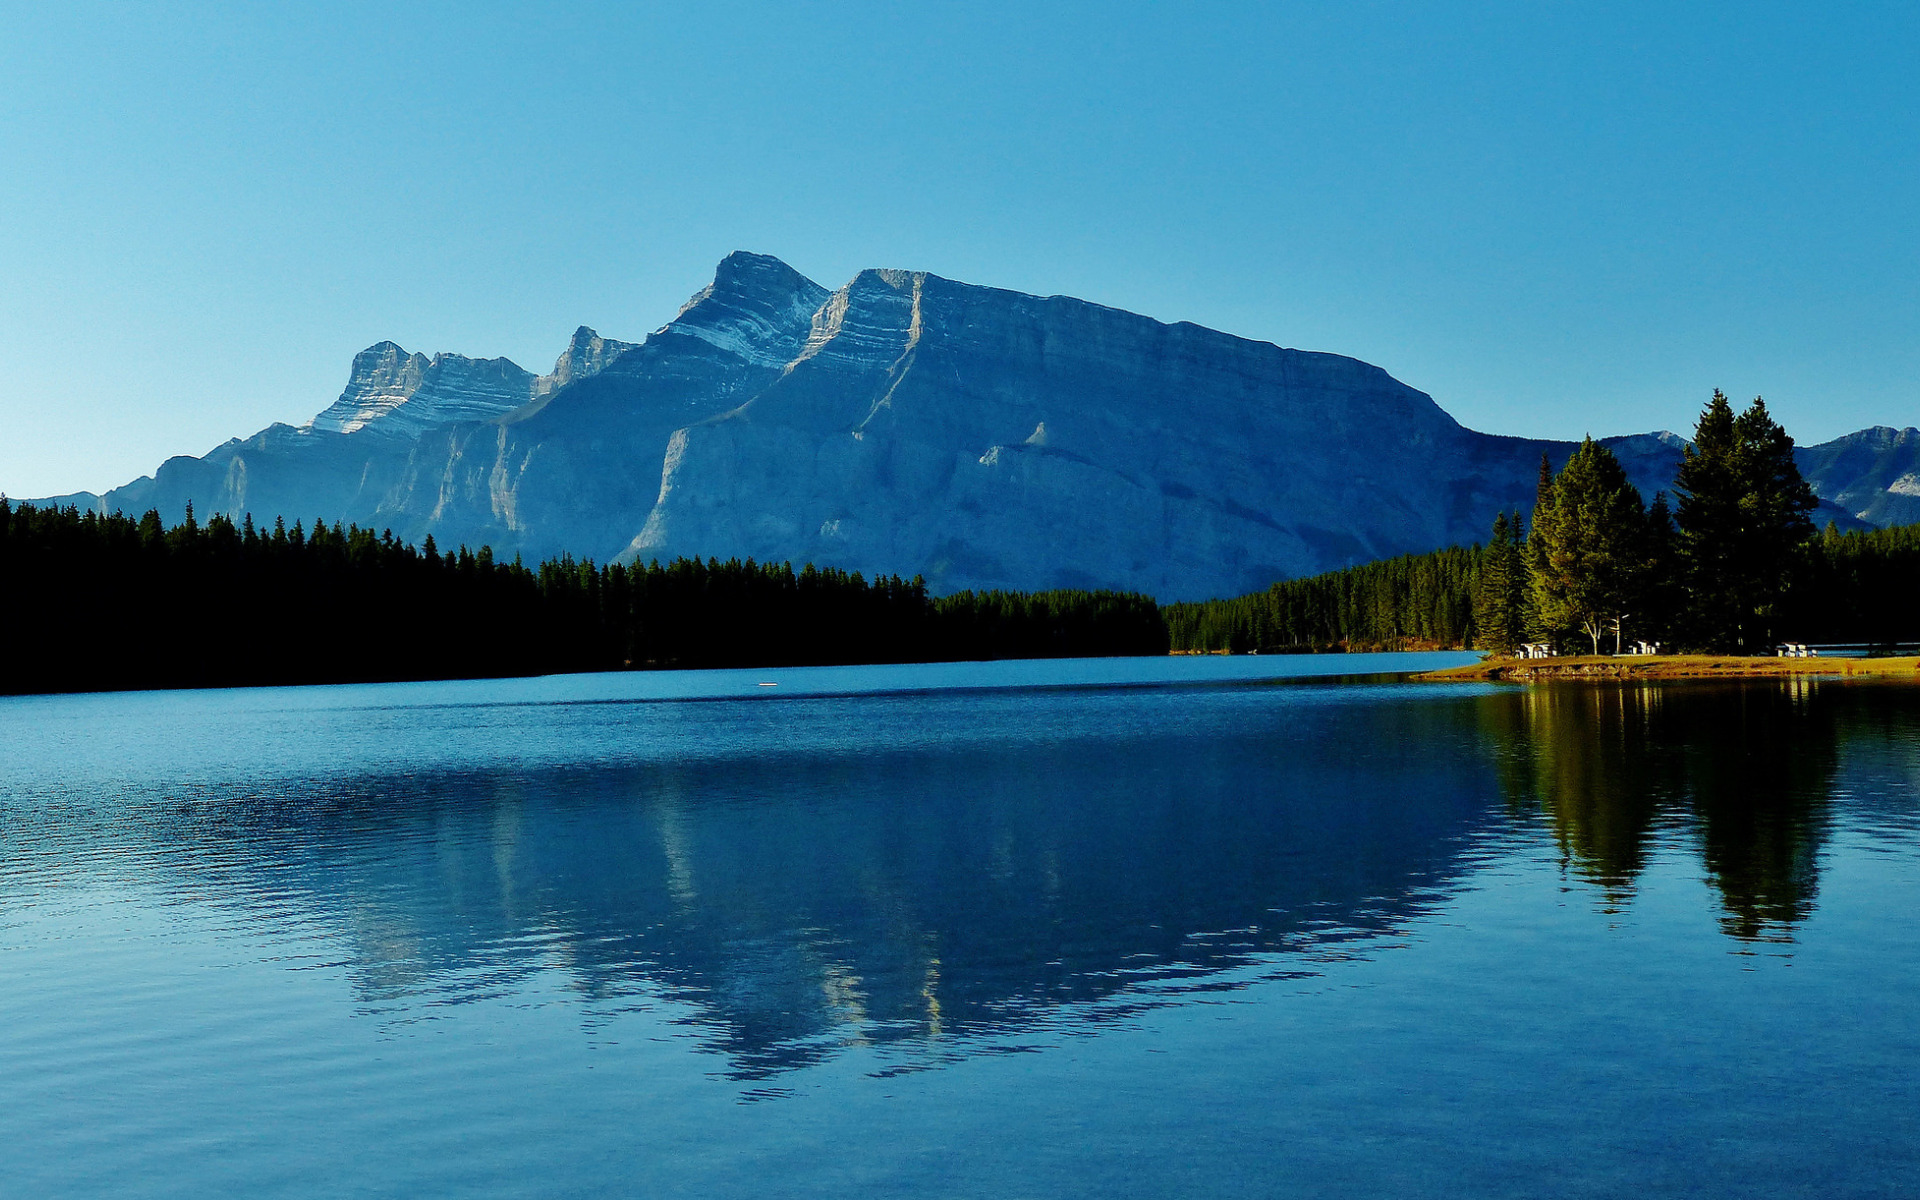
(1589, 547)
(1660, 596)
(1743, 518)
(1500, 589)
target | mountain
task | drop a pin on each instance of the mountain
(1873, 474)
(399, 395)
(915, 425)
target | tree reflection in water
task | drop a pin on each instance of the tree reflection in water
(1744, 771)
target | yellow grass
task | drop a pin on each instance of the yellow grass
(1675, 666)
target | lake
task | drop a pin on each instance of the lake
(1153, 927)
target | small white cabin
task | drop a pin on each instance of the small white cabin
(1536, 650)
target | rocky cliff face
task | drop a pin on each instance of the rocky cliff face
(977, 436)
(396, 395)
(914, 425)
(586, 355)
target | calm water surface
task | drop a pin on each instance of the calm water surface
(1101, 928)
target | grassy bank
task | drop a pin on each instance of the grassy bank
(1672, 666)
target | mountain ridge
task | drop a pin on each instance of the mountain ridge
(909, 424)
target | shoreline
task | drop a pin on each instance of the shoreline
(1603, 668)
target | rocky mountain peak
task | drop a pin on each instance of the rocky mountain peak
(757, 308)
(393, 394)
(1873, 474)
(869, 322)
(744, 272)
(587, 354)
(1883, 437)
(383, 377)
(385, 363)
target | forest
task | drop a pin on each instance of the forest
(1735, 565)
(1849, 588)
(93, 602)
(1411, 602)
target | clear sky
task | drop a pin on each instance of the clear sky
(1556, 218)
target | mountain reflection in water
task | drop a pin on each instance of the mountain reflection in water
(948, 875)
(933, 896)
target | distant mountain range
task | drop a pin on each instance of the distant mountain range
(907, 424)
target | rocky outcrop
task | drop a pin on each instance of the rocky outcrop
(396, 395)
(911, 424)
(579, 469)
(586, 355)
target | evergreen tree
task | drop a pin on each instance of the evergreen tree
(1500, 589)
(1743, 520)
(1519, 583)
(1490, 591)
(1589, 548)
(1661, 594)
(1534, 555)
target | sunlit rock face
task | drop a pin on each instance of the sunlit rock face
(398, 395)
(579, 470)
(980, 437)
(908, 424)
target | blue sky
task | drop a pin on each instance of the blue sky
(1554, 219)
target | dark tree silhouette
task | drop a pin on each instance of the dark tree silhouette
(1501, 604)
(92, 602)
(1743, 517)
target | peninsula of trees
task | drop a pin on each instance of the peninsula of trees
(1734, 565)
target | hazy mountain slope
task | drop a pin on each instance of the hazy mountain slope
(1873, 474)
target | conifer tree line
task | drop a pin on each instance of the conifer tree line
(93, 602)
(1732, 566)
(1413, 601)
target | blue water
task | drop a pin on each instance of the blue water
(1119, 927)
